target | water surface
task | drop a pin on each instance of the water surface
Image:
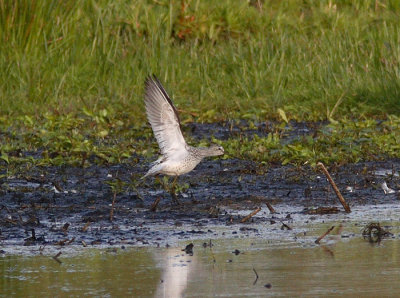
(340, 265)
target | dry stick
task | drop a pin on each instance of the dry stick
(335, 188)
(250, 215)
(322, 236)
(155, 204)
(112, 206)
(56, 258)
(271, 209)
(285, 226)
(70, 241)
(256, 276)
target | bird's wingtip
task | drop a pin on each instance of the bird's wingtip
(151, 79)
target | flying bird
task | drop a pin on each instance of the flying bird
(177, 157)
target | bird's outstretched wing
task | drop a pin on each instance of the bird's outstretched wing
(163, 118)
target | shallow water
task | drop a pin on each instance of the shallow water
(340, 265)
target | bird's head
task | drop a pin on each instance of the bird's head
(216, 150)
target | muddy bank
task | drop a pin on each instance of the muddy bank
(67, 205)
(242, 128)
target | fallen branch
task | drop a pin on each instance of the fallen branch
(326, 233)
(250, 215)
(335, 188)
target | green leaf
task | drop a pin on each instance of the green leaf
(283, 115)
(4, 157)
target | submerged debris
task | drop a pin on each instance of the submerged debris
(189, 249)
(236, 252)
(374, 232)
(209, 244)
(33, 239)
(255, 272)
(56, 258)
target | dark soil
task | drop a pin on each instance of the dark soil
(72, 205)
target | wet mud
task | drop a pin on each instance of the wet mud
(61, 206)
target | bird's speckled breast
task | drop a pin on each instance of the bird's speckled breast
(182, 167)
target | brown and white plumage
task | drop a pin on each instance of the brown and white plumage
(177, 157)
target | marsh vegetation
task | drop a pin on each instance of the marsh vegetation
(72, 75)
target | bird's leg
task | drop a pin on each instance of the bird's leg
(174, 182)
(173, 191)
(157, 179)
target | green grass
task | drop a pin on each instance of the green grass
(220, 59)
(72, 72)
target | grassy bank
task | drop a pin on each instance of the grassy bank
(220, 59)
(72, 72)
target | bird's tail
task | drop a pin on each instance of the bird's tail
(147, 174)
(153, 167)
(150, 172)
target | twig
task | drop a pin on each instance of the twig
(56, 257)
(335, 188)
(326, 233)
(112, 206)
(285, 226)
(256, 276)
(155, 204)
(250, 215)
(271, 209)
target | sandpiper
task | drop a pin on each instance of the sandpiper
(177, 157)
